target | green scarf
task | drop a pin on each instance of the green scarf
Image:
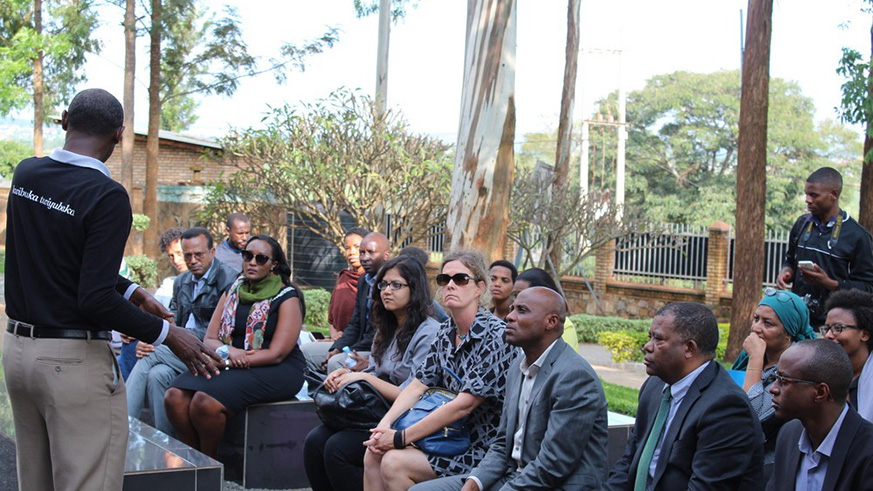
(266, 288)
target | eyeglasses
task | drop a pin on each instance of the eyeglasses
(261, 259)
(837, 328)
(784, 381)
(196, 255)
(393, 285)
(460, 279)
(780, 295)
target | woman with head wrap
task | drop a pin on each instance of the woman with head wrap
(780, 320)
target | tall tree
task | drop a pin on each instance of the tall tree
(150, 201)
(565, 121)
(484, 163)
(42, 50)
(751, 173)
(128, 136)
(857, 107)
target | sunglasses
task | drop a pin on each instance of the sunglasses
(393, 285)
(784, 381)
(261, 259)
(780, 295)
(837, 328)
(460, 279)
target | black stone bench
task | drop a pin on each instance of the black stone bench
(263, 446)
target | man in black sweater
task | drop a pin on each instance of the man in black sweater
(67, 224)
(827, 249)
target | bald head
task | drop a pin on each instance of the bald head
(550, 301)
(374, 251)
(536, 320)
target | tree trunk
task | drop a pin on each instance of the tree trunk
(751, 173)
(382, 57)
(482, 177)
(150, 204)
(865, 214)
(134, 243)
(565, 121)
(38, 85)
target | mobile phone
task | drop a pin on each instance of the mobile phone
(806, 264)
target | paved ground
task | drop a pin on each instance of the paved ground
(627, 374)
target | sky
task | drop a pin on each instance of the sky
(425, 71)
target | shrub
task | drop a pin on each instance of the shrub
(142, 270)
(141, 222)
(723, 330)
(588, 326)
(625, 345)
(317, 302)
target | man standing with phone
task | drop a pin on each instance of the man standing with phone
(827, 249)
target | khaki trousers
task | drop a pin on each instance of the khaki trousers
(70, 412)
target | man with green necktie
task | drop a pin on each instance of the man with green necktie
(695, 428)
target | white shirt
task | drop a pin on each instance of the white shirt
(678, 391)
(814, 462)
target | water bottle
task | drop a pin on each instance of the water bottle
(224, 352)
(349, 361)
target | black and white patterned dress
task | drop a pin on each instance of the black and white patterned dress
(481, 360)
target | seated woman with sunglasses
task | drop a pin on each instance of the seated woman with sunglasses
(471, 345)
(258, 321)
(780, 320)
(850, 323)
(405, 329)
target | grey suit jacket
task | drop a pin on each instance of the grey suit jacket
(850, 466)
(714, 442)
(184, 303)
(565, 442)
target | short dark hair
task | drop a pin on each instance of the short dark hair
(169, 236)
(508, 265)
(416, 253)
(236, 217)
(95, 112)
(827, 364)
(693, 321)
(538, 277)
(197, 232)
(359, 231)
(828, 176)
(860, 304)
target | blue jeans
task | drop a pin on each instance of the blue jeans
(149, 379)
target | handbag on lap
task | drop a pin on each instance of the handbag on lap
(449, 441)
(354, 406)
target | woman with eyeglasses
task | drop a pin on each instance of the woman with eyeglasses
(404, 331)
(780, 320)
(471, 345)
(850, 323)
(539, 277)
(256, 324)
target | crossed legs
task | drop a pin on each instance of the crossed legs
(396, 470)
(198, 418)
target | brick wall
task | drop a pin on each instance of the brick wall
(176, 164)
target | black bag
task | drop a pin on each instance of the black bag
(355, 406)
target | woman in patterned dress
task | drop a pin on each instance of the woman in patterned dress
(471, 344)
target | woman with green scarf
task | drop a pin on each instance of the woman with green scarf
(780, 320)
(256, 327)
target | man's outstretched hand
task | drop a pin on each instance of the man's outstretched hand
(199, 358)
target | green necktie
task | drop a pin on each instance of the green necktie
(652, 442)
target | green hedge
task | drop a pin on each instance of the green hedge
(627, 344)
(317, 302)
(588, 326)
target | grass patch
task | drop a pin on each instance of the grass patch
(621, 399)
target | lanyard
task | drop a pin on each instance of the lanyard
(835, 235)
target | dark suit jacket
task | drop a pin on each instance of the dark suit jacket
(358, 335)
(203, 305)
(565, 441)
(850, 466)
(714, 441)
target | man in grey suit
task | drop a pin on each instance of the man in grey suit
(553, 429)
(828, 446)
(694, 428)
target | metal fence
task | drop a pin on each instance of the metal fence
(678, 253)
(775, 247)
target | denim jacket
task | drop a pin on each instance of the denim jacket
(182, 304)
